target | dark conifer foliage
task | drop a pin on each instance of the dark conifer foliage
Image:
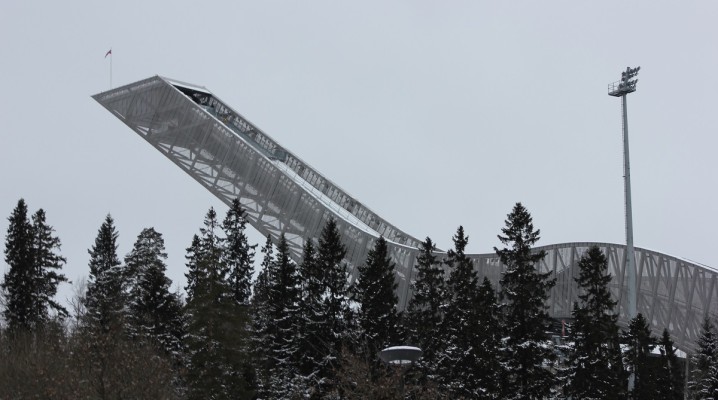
(18, 283)
(524, 291)
(312, 315)
(425, 312)
(205, 251)
(238, 253)
(595, 369)
(216, 329)
(704, 364)
(210, 248)
(330, 256)
(280, 341)
(261, 288)
(262, 324)
(48, 263)
(286, 308)
(466, 367)
(639, 345)
(485, 380)
(461, 289)
(670, 380)
(106, 300)
(30, 285)
(155, 312)
(375, 295)
(194, 252)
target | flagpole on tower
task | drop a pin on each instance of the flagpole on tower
(109, 53)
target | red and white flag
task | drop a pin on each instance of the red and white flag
(109, 53)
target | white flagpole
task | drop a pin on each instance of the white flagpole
(109, 53)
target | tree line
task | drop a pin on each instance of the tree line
(305, 331)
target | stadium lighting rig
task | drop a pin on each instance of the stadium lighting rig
(627, 85)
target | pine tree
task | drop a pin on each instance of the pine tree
(30, 285)
(425, 312)
(595, 370)
(375, 294)
(155, 312)
(670, 374)
(704, 372)
(239, 254)
(216, 328)
(106, 300)
(640, 343)
(524, 292)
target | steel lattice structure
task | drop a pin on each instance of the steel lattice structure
(282, 194)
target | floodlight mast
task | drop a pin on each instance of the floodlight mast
(620, 89)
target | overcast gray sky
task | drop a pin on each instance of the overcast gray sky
(434, 114)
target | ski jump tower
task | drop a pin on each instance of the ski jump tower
(283, 194)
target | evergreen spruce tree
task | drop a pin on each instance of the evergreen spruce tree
(20, 280)
(670, 373)
(704, 364)
(312, 316)
(330, 256)
(106, 300)
(104, 325)
(211, 249)
(281, 339)
(216, 327)
(155, 312)
(466, 367)
(262, 324)
(595, 370)
(461, 289)
(48, 263)
(640, 343)
(485, 380)
(261, 287)
(524, 291)
(30, 285)
(375, 294)
(239, 254)
(204, 252)
(424, 315)
(193, 273)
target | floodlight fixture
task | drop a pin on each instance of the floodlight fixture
(626, 85)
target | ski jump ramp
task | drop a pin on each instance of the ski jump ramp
(282, 194)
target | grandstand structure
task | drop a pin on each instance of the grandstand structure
(282, 194)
